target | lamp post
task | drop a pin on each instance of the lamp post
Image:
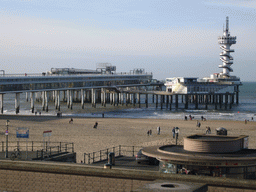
(6, 133)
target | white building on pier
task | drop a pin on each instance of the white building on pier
(217, 83)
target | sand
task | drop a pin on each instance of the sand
(115, 131)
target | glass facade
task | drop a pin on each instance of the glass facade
(245, 172)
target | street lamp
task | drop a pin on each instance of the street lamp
(6, 133)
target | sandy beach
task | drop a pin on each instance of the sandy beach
(115, 131)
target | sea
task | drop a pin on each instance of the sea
(246, 109)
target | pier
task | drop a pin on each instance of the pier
(135, 90)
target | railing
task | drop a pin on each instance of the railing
(102, 155)
(53, 75)
(37, 146)
(51, 151)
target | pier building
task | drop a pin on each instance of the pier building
(207, 155)
(215, 86)
(102, 85)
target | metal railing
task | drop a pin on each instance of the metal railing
(88, 74)
(102, 155)
(37, 146)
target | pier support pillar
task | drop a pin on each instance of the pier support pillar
(82, 98)
(230, 101)
(55, 99)
(68, 97)
(32, 97)
(167, 101)
(43, 100)
(46, 100)
(220, 100)
(171, 100)
(53, 96)
(156, 101)
(186, 101)
(71, 99)
(215, 101)
(2, 103)
(130, 98)
(206, 101)
(161, 101)
(103, 97)
(134, 99)
(17, 103)
(111, 98)
(115, 99)
(146, 100)
(93, 95)
(118, 96)
(196, 101)
(58, 100)
(237, 95)
(27, 96)
(126, 97)
(226, 101)
(64, 96)
(176, 101)
(170, 107)
(122, 99)
(153, 98)
(139, 99)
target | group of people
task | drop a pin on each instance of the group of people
(203, 118)
(208, 130)
(158, 129)
(175, 131)
(149, 132)
(190, 117)
(94, 126)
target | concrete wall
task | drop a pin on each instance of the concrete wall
(41, 176)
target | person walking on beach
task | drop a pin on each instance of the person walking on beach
(158, 130)
(173, 132)
(177, 131)
(95, 125)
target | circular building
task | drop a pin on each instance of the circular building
(211, 155)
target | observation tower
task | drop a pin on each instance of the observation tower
(225, 42)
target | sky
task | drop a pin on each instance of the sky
(169, 38)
